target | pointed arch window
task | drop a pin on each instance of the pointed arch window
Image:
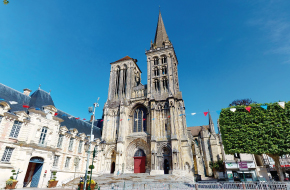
(140, 120)
(124, 79)
(117, 81)
(163, 59)
(155, 59)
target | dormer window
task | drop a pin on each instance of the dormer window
(15, 129)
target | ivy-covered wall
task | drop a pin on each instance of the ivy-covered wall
(260, 131)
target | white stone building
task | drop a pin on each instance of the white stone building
(35, 141)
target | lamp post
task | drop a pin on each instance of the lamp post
(88, 147)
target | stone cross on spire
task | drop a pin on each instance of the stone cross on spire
(161, 37)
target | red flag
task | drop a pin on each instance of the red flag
(84, 119)
(169, 116)
(55, 113)
(77, 117)
(205, 113)
(144, 119)
(248, 108)
(25, 106)
(102, 120)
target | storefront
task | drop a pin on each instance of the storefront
(241, 171)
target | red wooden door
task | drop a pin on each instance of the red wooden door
(139, 164)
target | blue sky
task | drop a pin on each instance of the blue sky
(226, 50)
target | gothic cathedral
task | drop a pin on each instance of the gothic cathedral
(144, 126)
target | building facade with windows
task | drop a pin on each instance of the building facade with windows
(144, 125)
(35, 141)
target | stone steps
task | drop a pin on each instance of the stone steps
(107, 180)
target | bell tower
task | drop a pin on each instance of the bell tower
(162, 66)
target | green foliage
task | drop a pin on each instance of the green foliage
(244, 102)
(11, 177)
(91, 167)
(12, 171)
(258, 132)
(217, 165)
(9, 182)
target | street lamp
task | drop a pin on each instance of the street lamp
(88, 146)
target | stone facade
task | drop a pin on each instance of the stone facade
(34, 134)
(146, 118)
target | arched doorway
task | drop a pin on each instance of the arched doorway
(33, 172)
(166, 166)
(112, 167)
(139, 161)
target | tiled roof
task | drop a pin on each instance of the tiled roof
(123, 59)
(196, 129)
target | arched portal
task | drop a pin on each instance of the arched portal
(112, 167)
(139, 161)
(33, 172)
(166, 166)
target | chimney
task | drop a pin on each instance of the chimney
(26, 91)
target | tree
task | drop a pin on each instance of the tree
(5, 2)
(258, 131)
(245, 102)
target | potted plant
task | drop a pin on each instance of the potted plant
(52, 182)
(217, 166)
(92, 186)
(11, 183)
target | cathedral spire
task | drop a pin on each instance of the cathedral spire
(161, 37)
(211, 125)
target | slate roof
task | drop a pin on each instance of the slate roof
(160, 35)
(123, 59)
(9, 94)
(41, 98)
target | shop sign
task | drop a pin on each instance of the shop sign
(231, 165)
(251, 165)
(243, 165)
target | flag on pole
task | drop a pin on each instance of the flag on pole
(205, 113)
(233, 109)
(77, 117)
(282, 104)
(248, 108)
(25, 106)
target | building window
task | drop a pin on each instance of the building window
(237, 155)
(15, 129)
(165, 84)
(67, 162)
(165, 127)
(7, 154)
(43, 135)
(117, 81)
(156, 72)
(80, 146)
(164, 70)
(124, 79)
(164, 59)
(139, 120)
(157, 85)
(155, 60)
(71, 142)
(59, 142)
(55, 161)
